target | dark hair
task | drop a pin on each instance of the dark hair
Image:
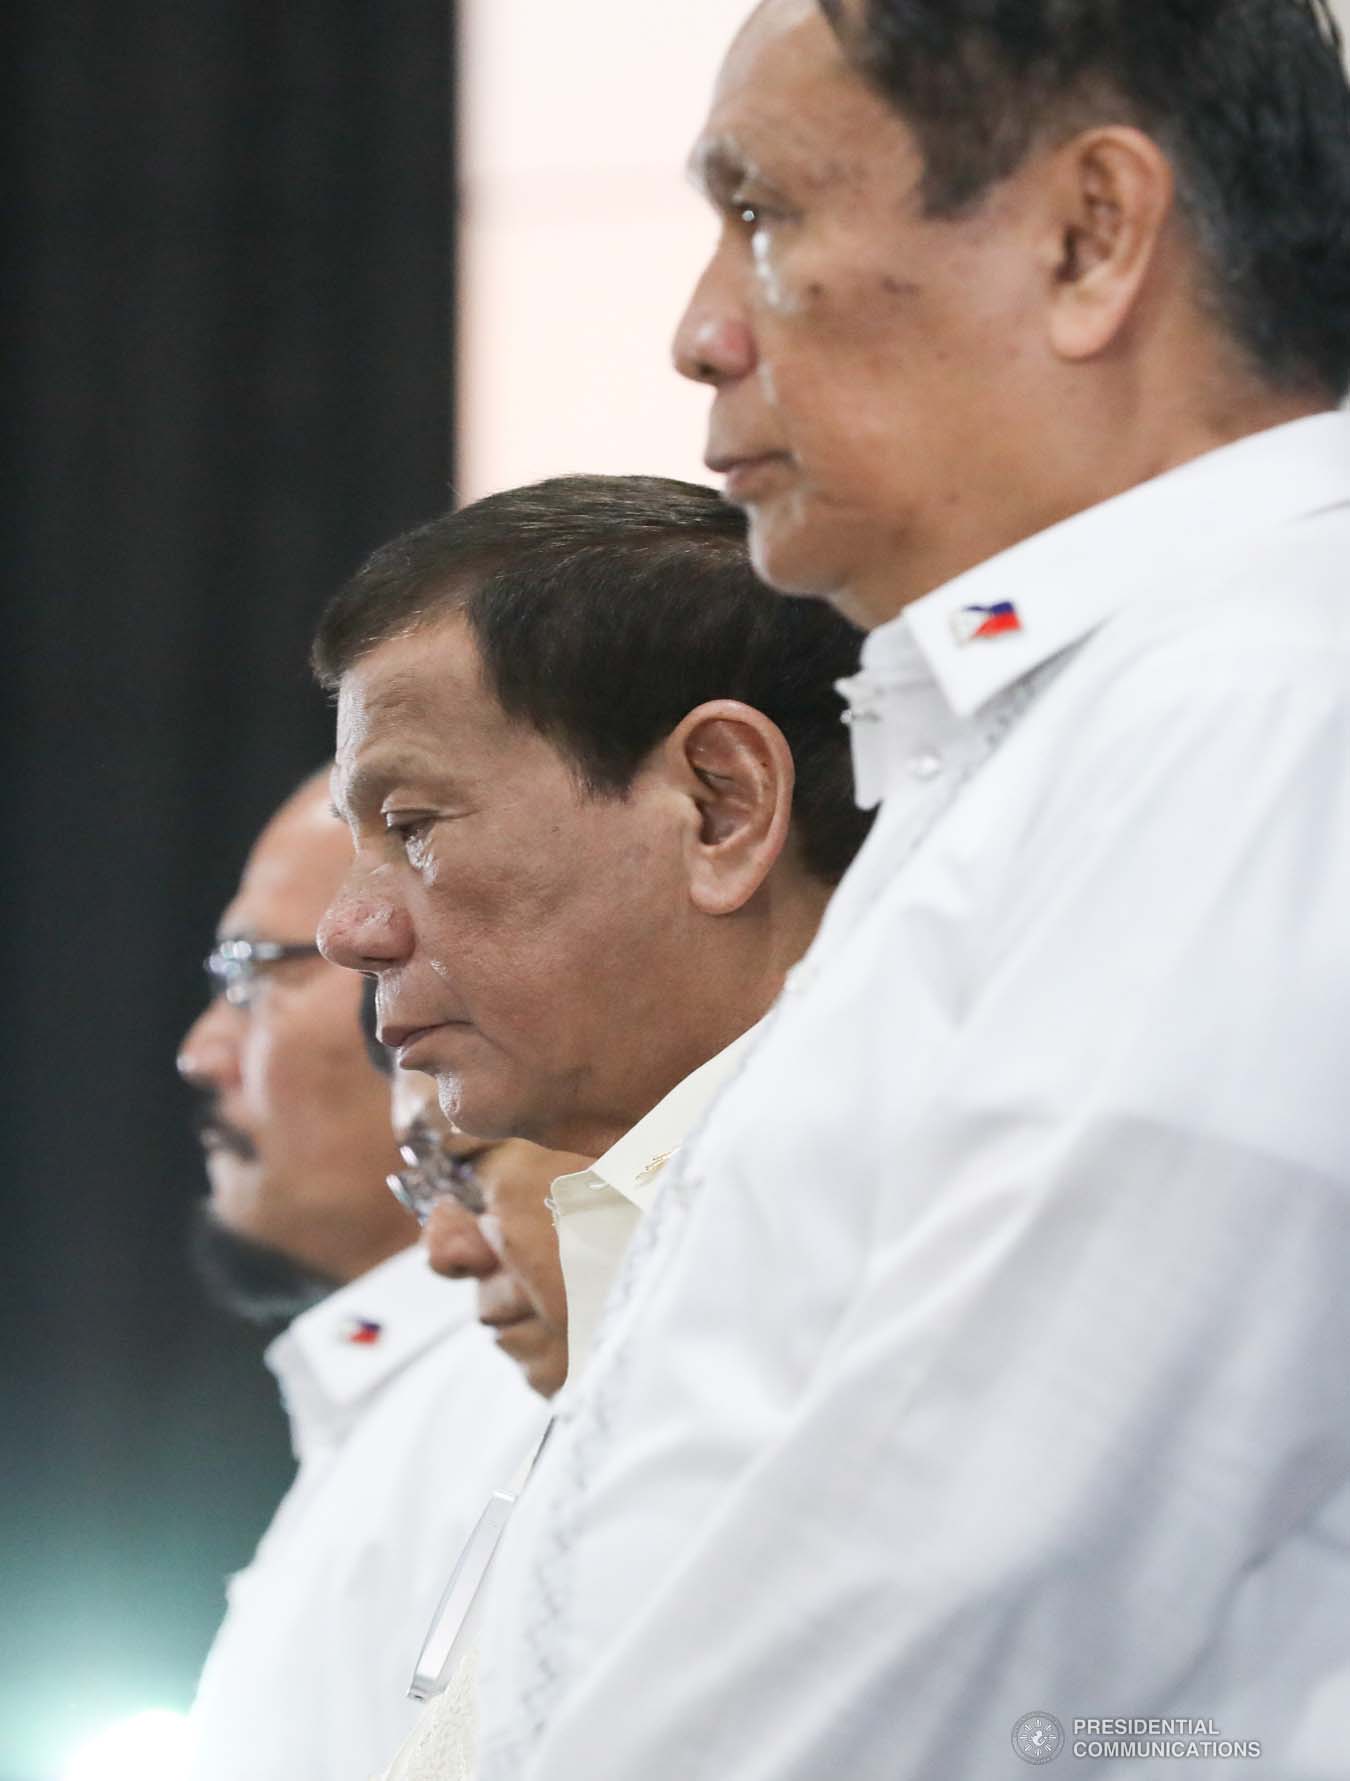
(605, 608)
(1247, 98)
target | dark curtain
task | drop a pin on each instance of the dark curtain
(229, 314)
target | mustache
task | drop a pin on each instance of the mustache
(216, 1133)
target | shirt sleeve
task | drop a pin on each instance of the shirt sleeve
(1093, 1385)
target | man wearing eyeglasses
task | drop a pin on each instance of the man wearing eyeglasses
(488, 1213)
(404, 1417)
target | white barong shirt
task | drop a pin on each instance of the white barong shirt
(992, 1355)
(596, 1212)
(403, 1417)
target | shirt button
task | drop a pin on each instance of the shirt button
(925, 764)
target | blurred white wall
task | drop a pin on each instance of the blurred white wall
(579, 237)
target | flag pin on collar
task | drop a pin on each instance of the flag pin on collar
(972, 624)
(361, 1331)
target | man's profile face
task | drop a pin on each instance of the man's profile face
(525, 934)
(511, 1248)
(296, 1125)
(865, 361)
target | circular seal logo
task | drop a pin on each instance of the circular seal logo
(1038, 1737)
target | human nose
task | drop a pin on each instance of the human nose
(455, 1245)
(208, 1057)
(713, 342)
(364, 928)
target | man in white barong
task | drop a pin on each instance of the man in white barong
(597, 786)
(983, 1395)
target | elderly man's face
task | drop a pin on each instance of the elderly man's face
(866, 362)
(510, 1248)
(296, 1126)
(527, 937)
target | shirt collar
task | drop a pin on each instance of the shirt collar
(339, 1351)
(1064, 582)
(632, 1165)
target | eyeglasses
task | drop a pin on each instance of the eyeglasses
(432, 1175)
(236, 967)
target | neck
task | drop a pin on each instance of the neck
(655, 1064)
(737, 979)
(1080, 462)
(358, 1262)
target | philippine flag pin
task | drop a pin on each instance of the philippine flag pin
(972, 624)
(361, 1331)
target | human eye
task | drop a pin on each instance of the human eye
(412, 830)
(247, 990)
(442, 1173)
(755, 211)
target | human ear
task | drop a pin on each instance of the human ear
(1111, 193)
(735, 767)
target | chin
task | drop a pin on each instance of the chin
(470, 1105)
(479, 1110)
(236, 1189)
(546, 1375)
(791, 556)
(503, 1100)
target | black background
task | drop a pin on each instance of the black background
(229, 311)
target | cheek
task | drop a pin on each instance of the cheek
(833, 380)
(305, 1069)
(529, 932)
(780, 294)
(474, 901)
(529, 1246)
(531, 1251)
(535, 1267)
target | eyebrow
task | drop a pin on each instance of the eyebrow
(715, 169)
(363, 789)
(371, 778)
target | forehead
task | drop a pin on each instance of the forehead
(411, 682)
(787, 98)
(416, 704)
(292, 873)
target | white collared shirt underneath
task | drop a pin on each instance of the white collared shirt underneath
(596, 1210)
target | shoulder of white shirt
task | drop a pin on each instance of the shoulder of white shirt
(360, 1336)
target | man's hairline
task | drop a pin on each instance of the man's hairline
(439, 615)
(436, 618)
(441, 602)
